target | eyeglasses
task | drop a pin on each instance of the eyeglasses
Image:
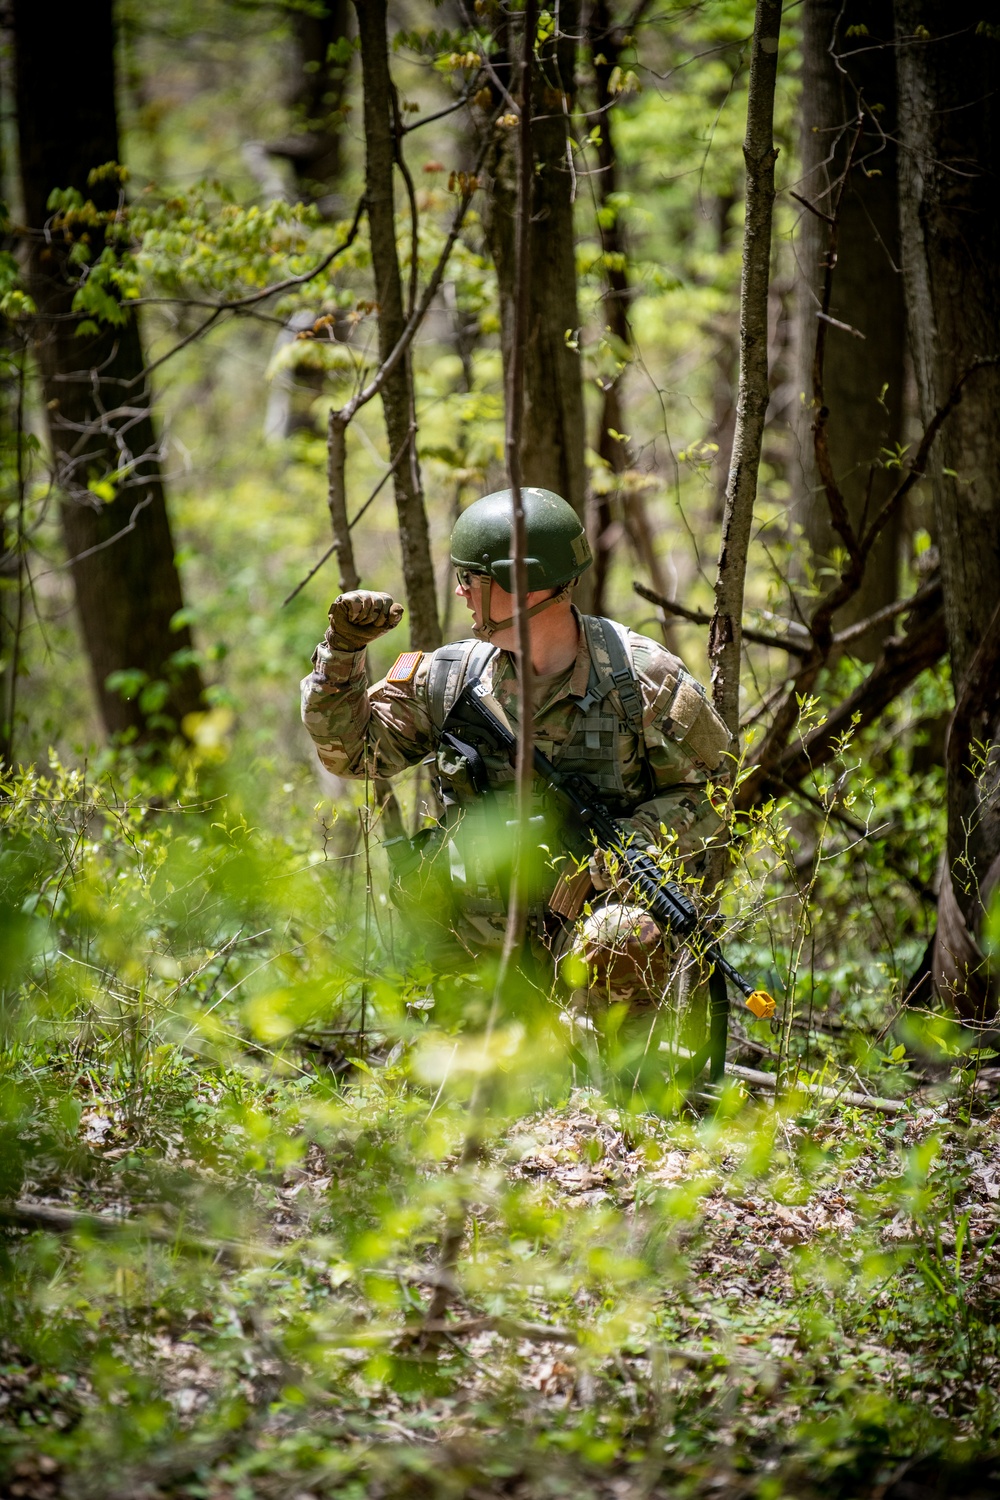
(465, 577)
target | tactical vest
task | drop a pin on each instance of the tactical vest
(611, 706)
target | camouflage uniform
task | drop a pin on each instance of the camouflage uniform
(650, 763)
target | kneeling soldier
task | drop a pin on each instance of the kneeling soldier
(611, 704)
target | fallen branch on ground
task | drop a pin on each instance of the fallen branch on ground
(26, 1215)
(510, 1328)
(546, 1333)
(837, 1096)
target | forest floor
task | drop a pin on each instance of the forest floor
(789, 1300)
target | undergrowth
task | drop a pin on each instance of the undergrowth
(226, 1055)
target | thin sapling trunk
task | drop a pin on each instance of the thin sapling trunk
(759, 153)
(517, 911)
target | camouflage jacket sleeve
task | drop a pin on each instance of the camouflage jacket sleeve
(686, 742)
(358, 730)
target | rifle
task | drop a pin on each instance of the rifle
(479, 717)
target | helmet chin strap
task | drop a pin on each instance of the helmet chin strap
(489, 628)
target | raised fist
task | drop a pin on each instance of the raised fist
(359, 617)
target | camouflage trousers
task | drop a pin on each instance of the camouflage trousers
(617, 953)
(614, 951)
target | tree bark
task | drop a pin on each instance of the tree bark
(314, 149)
(97, 399)
(605, 40)
(397, 391)
(553, 437)
(13, 543)
(850, 79)
(517, 914)
(13, 359)
(321, 69)
(950, 136)
(725, 635)
(950, 120)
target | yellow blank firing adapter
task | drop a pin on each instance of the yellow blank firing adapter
(760, 1002)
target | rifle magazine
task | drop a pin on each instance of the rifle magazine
(571, 894)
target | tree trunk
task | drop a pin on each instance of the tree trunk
(12, 540)
(321, 69)
(397, 392)
(850, 80)
(724, 329)
(726, 632)
(553, 436)
(950, 137)
(314, 148)
(96, 397)
(605, 40)
(12, 447)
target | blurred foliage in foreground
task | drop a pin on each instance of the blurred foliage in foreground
(275, 1089)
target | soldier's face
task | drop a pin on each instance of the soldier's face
(502, 606)
(472, 592)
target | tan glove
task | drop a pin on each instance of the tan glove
(359, 617)
(599, 872)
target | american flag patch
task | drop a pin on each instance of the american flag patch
(404, 667)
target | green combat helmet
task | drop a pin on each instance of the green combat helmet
(557, 547)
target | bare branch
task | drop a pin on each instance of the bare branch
(882, 616)
(870, 835)
(238, 304)
(449, 109)
(844, 327)
(340, 529)
(46, 1216)
(916, 470)
(839, 516)
(183, 343)
(411, 197)
(99, 546)
(902, 661)
(827, 218)
(772, 750)
(698, 617)
(509, 101)
(413, 323)
(511, 1328)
